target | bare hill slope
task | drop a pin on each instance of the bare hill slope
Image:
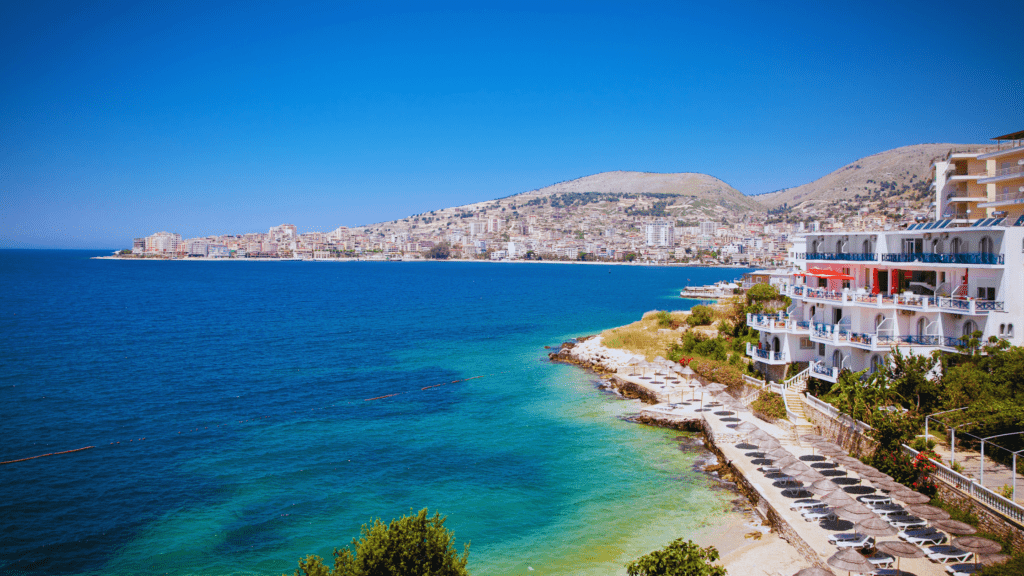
(903, 170)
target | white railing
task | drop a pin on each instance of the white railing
(823, 407)
(798, 382)
(994, 501)
(751, 381)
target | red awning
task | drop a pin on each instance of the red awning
(824, 273)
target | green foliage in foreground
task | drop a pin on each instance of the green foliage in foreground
(410, 546)
(680, 558)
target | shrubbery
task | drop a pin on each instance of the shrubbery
(770, 405)
(700, 316)
(717, 371)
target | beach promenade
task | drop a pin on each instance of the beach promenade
(680, 401)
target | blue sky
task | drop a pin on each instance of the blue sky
(122, 119)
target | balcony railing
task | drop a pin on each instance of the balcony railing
(912, 301)
(776, 323)
(825, 371)
(959, 258)
(836, 256)
(836, 334)
(766, 355)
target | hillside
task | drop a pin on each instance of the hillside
(883, 182)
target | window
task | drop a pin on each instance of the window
(969, 328)
(986, 245)
(1002, 329)
(876, 362)
(806, 344)
(986, 293)
(1009, 330)
(821, 349)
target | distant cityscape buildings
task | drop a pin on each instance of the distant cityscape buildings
(619, 226)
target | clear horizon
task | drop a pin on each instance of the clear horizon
(121, 120)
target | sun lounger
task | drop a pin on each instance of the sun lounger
(884, 510)
(881, 560)
(874, 499)
(844, 537)
(917, 532)
(905, 522)
(807, 503)
(929, 539)
(861, 542)
(818, 514)
(947, 554)
(963, 569)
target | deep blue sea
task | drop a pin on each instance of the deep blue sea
(245, 414)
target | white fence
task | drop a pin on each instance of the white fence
(987, 497)
(834, 413)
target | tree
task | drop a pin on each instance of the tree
(629, 257)
(680, 558)
(410, 546)
(441, 251)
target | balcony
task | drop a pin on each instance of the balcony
(839, 336)
(767, 356)
(958, 305)
(958, 258)
(824, 372)
(1004, 200)
(1003, 174)
(777, 323)
(836, 256)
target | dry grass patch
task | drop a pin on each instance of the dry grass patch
(643, 337)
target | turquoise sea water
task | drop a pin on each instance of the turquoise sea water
(249, 383)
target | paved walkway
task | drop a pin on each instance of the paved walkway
(996, 475)
(726, 440)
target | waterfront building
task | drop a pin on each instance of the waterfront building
(934, 285)
(163, 243)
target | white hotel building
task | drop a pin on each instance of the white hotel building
(860, 295)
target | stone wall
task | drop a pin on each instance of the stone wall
(988, 519)
(839, 430)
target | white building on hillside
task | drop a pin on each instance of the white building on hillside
(660, 233)
(929, 287)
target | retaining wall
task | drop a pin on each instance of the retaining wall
(988, 519)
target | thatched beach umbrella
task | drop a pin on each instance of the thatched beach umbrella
(866, 471)
(899, 550)
(746, 428)
(850, 560)
(993, 559)
(838, 498)
(814, 571)
(977, 545)
(811, 476)
(824, 487)
(812, 438)
(855, 512)
(796, 468)
(715, 387)
(888, 485)
(954, 527)
(928, 512)
(875, 527)
(910, 497)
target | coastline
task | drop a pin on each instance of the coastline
(745, 538)
(465, 260)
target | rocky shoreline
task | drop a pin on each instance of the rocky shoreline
(780, 546)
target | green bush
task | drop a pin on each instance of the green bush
(717, 371)
(410, 546)
(680, 558)
(700, 315)
(664, 319)
(770, 405)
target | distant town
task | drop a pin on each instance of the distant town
(494, 238)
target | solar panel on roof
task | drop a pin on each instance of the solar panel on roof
(1019, 222)
(997, 221)
(945, 223)
(914, 227)
(930, 225)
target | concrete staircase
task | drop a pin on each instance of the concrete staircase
(794, 389)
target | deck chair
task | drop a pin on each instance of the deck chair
(947, 554)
